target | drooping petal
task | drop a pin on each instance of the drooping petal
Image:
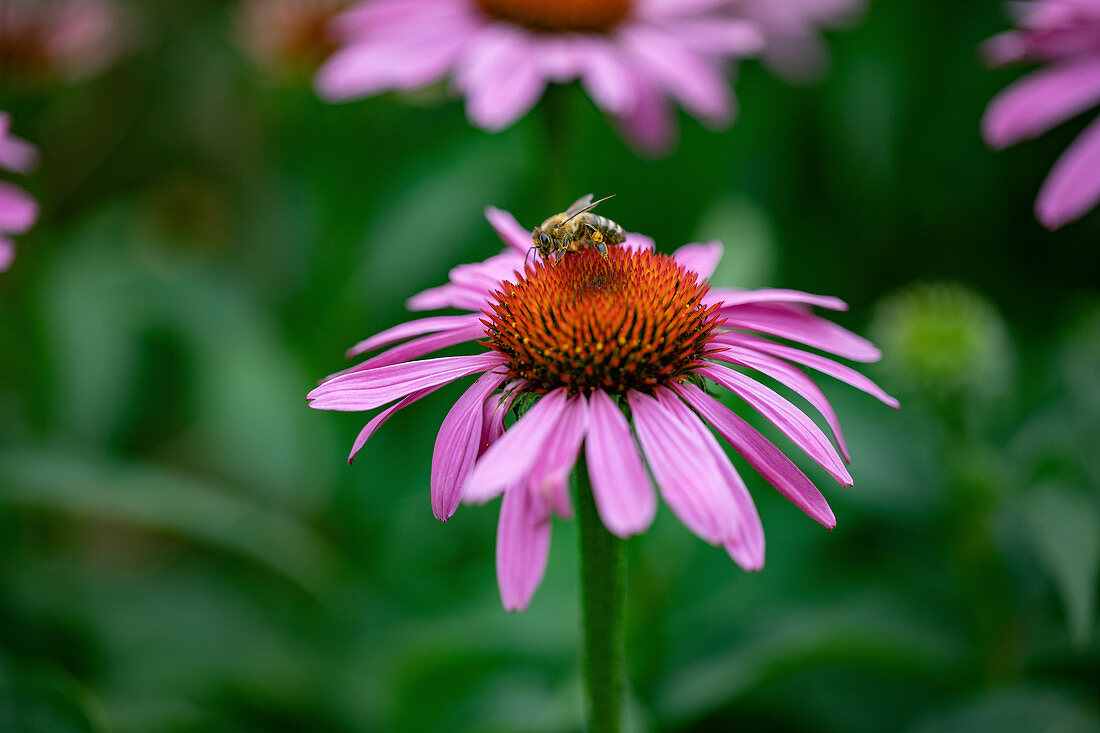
(697, 82)
(7, 254)
(608, 79)
(770, 462)
(457, 444)
(785, 416)
(18, 211)
(702, 259)
(499, 77)
(684, 467)
(1073, 186)
(798, 325)
(445, 296)
(523, 547)
(624, 495)
(731, 297)
(1041, 100)
(409, 329)
(651, 126)
(380, 419)
(509, 460)
(814, 361)
(496, 409)
(376, 387)
(549, 480)
(746, 544)
(790, 376)
(508, 229)
(15, 154)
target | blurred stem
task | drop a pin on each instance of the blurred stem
(555, 109)
(603, 587)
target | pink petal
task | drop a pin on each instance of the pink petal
(15, 154)
(702, 259)
(684, 467)
(1041, 100)
(621, 487)
(820, 363)
(651, 126)
(418, 347)
(7, 254)
(1073, 186)
(803, 327)
(732, 297)
(724, 37)
(496, 409)
(405, 55)
(510, 460)
(508, 229)
(380, 419)
(694, 80)
(446, 296)
(770, 462)
(18, 210)
(376, 387)
(746, 545)
(409, 329)
(457, 445)
(523, 547)
(608, 79)
(790, 376)
(499, 77)
(788, 418)
(549, 482)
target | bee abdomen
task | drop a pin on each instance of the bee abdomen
(611, 231)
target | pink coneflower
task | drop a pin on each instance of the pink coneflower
(288, 36)
(613, 349)
(1064, 35)
(18, 210)
(67, 38)
(632, 56)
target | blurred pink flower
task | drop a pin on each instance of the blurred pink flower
(67, 38)
(288, 36)
(18, 210)
(1064, 35)
(631, 56)
(613, 349)
(790, 27)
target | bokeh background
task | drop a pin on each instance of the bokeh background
(183, 548)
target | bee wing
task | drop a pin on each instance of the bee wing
(582, 205)
(578, 206)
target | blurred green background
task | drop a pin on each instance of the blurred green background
(183, 548)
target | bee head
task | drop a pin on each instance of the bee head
(543, 242)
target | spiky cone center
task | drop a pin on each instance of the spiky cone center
(559, 16)
(634, 320)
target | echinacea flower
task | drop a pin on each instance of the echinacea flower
(66, 38)
(1064, 35)
(18, 210)
(614, 353)
(287, 36)
(631, 56)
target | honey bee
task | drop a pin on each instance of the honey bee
(575, 228)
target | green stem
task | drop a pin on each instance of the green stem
(555, 108)
(603, 586)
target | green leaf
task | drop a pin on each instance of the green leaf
(160, 499)
(1023, 710)
(1064, 530)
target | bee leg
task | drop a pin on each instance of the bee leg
(600, 247)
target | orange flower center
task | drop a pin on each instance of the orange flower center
(559, 16)
(632, 321)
